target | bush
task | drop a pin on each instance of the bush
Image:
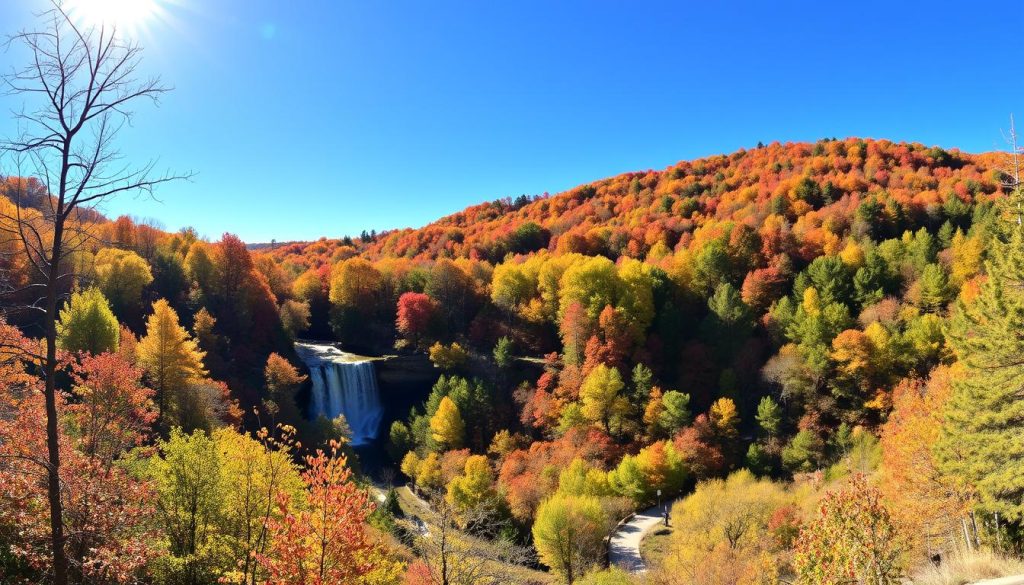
(852, 540)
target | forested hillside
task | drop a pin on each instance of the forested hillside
(804, 311)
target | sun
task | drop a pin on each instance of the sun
(126, 15)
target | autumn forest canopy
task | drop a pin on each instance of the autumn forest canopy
(802, 360)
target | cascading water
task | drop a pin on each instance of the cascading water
(343, 384)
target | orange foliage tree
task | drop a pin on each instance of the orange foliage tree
(326, 541)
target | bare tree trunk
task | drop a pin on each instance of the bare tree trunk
(967, 535)
(999, 537)
(974, 527)
(60, 561)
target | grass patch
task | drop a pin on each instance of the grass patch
(967, 567)
(655, 545)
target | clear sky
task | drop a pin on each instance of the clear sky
(310, 118)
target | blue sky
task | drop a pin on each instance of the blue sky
(310, 118)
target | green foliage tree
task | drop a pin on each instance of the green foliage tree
(730, 321)
(872, 282)
(569, 534)
(453, 290)
(712, 267)
(769, 416)
(980, 441)
(757, 460)
(813, 328)
(804, 452)
(214, 496)
(400, 440)
(935, 290)
(87, 324)
(658, 466)
(676, 412)
(191, 491)
(643, 381)
(503, 352)
(831, 278)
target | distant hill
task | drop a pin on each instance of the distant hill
(630, 213)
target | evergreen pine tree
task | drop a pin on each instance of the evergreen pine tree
(984, 419)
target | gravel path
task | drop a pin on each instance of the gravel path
(624, 545)
(1018, 580)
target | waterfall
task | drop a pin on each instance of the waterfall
(343, 384)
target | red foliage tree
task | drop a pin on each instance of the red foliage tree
(114, 411)
(416, 314)
(105, 511)
(697, 446)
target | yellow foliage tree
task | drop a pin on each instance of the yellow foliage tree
(122, 274)
(968, 257)
(569, 534)
(599, 393)
(725, 418)
(447, 357)
(721, 531)
(852, 255)
(474, 487)
(447, 426)
(171, 358)
(428, 472)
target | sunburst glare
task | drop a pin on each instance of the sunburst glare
(128, 16)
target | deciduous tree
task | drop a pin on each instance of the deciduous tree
(122, 275)
(326, 541)
(851, 539)
(86, 82)
(600, 395)
(569, 534)
(87, 324)
(416, 314)
(171, 358)
(447, 425)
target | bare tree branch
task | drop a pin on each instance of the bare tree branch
(78, 89)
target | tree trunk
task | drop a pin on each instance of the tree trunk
(974, 527)
(967, 535)
(60, 562)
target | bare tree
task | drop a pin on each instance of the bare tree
(485, 556)
(1011, 168)
(78, 88)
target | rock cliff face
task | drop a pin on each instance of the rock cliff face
(405, 381)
